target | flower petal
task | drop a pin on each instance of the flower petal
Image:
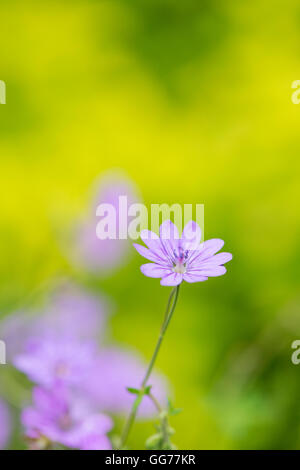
(168, 231)
(191, 236)
(194, 277)
(148, 237)
(210, 271)
(169, 238)
(148, 254)
(153, 242)
(172, 279)
(206, 250)
(218, 259)
(155, 270)
(88, 432)
(95, 442)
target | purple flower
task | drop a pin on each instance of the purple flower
(74, 313)
(51, 361)
(58, 417)
(176, 259)
(5, 425)
(100, 375)
(113, 371)
(71, 313)
(87, 250)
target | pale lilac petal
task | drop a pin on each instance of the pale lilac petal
(58, 415)
(96, 443)
(32, 420)
(168, 231)
(146, 253)
(155, 270)
(191, 236)
(206, 250)
(151, 239)
(89, 430)
(218, 259)
(52, 404)
(192, 277)
(154, 244)
(211, 271)
(169, 238)
(172, 279)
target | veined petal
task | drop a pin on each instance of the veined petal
(210, 271)
(155, 270)
(168, 231)
(169, 237)
(218, 259)
(172, 279)
(192, 277)
(153, 242)
(191, 236)
(147, 235)
(148, 254)
(206, 250)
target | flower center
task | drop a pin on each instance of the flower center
(180, 260)
(61, 370)
(179, 268)
(65, 422)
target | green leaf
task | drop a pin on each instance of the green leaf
(173, 411)
(147, 389)
(135, 391)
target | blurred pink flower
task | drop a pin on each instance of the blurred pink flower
(49, 361)
(88, 251)
(62, 418)
(5, 425)
(100, 375)
(70, 313)
(113, 371)
(60, 346)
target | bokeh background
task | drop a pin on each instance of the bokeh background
(191, 102)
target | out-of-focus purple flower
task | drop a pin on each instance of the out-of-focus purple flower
(176, 259)
(5, 425)
(73, 313)
(91, 253)
(15, 330)
(114, 370)
(100, 375)
(57, 360)
(70, 313)
(60, 418)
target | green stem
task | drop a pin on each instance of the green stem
(164, 422)
(155, 402)
(167, 318)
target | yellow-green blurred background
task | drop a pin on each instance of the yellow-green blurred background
(192, 100)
